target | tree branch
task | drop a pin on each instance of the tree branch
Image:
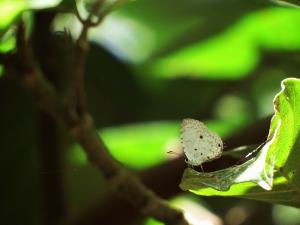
(76, 95)
(164, 179)
(77, 89)
(82, 128)
(52, 139)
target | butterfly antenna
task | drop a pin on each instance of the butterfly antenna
(174, 153)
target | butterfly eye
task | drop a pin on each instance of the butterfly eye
(201, 137)
(186, 160)
(219, 145)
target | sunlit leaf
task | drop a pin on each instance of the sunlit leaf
(237, 51)
(273, 175)
(9, 12)
(141, 145)
(7, 41)
(11, 9)
(138, 146)
(6, 44)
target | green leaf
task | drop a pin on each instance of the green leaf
(10, 10)
(272, 29)
(138, 146)
(135, 147)
(274, 174)
(7, 41)
(8, 38)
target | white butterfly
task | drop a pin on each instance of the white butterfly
(199, 143)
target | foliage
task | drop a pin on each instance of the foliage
(150, 64)
(271, 176)
(255, 33)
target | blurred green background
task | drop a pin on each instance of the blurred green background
(151, 63)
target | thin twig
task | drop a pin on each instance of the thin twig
(77, 88)
(111, 8)
(76, 98)
(77, 13)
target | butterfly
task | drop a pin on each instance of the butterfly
(199, 143)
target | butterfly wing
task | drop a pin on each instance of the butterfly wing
(199, 143)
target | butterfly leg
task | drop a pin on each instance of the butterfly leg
(201, 168)
(190, 166)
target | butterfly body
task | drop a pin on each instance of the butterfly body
(199, 143)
